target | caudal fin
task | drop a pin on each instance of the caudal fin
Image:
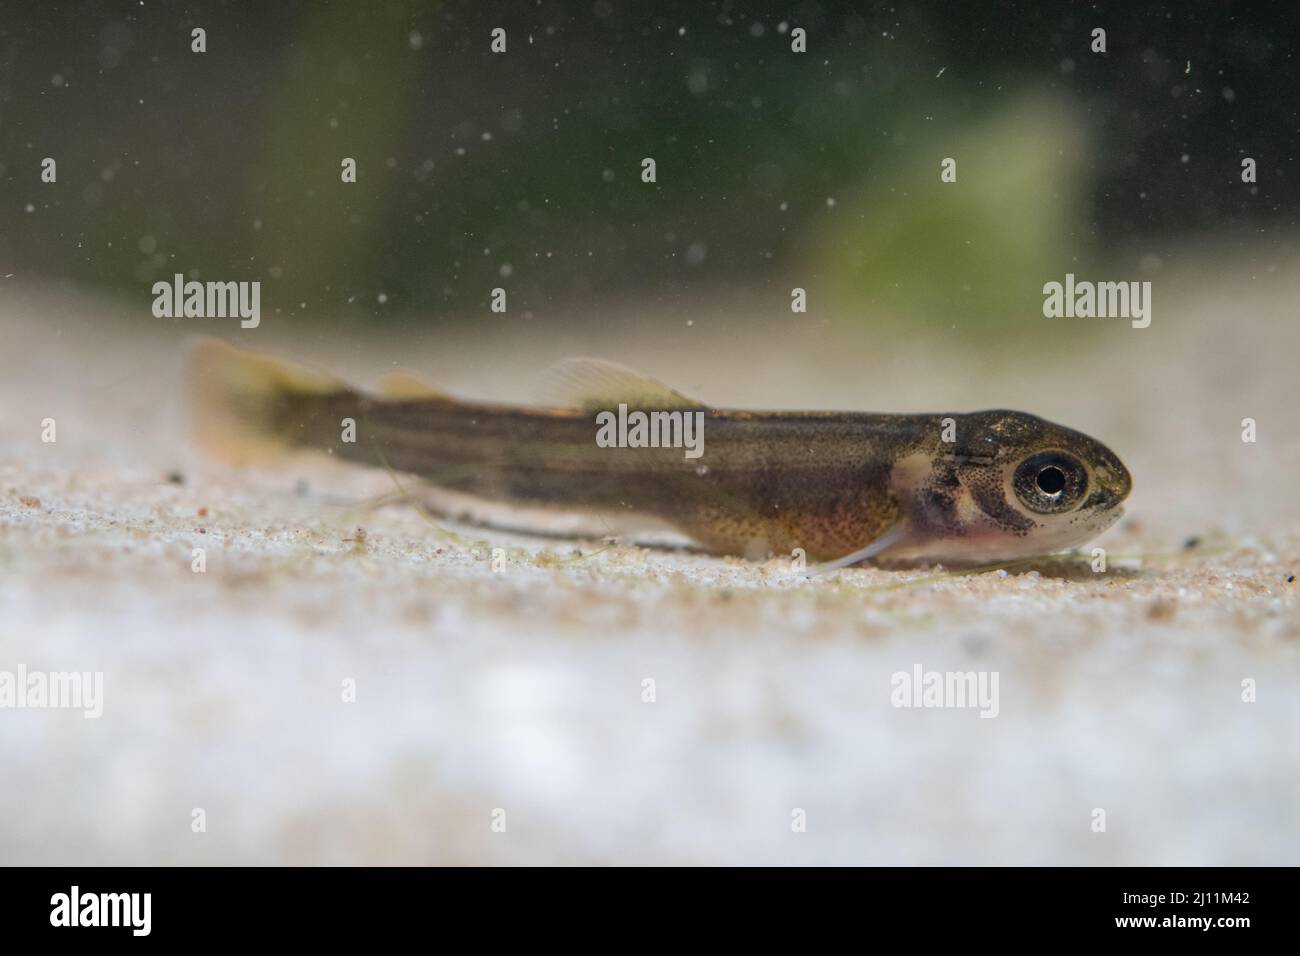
(239, 401)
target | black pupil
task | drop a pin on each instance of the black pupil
(1051, 480)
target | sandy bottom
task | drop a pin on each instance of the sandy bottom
(517, 695)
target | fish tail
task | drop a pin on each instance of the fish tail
(246, 406)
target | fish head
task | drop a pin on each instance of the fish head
(1007, 485)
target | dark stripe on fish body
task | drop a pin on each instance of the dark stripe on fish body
(793, 480)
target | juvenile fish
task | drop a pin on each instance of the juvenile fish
(843, 486)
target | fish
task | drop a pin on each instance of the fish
(834, 487)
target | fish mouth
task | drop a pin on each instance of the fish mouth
(1051, 541)
(992, 544)
(1077, 535)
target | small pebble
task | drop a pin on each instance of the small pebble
(1161, 610)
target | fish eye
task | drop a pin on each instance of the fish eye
(1050, 482)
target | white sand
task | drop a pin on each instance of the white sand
(522, 689)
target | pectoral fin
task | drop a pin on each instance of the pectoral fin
(894, 534)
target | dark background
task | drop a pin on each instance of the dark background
(522, 170)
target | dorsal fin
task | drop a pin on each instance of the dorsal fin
(595, 384)
(402, 384)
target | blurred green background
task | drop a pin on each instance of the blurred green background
(522, 169)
